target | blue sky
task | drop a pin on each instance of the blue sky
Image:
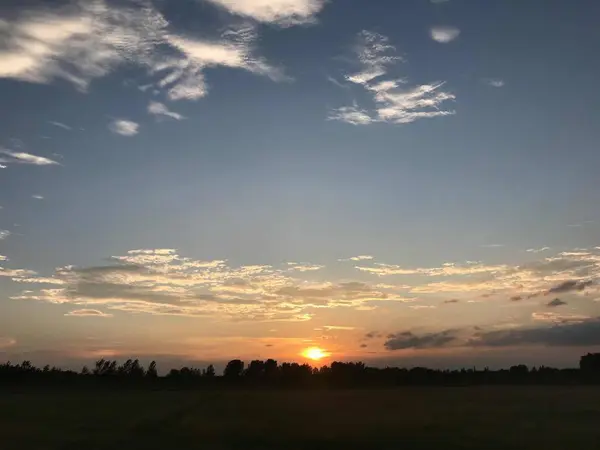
(207, 179)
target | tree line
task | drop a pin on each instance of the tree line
(271, 374)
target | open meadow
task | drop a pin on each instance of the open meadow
(404, 418)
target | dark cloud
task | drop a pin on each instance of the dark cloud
(556, 302)
(363, 346)
(579, 334)
(407, 339)
(570, 286)
(372, 335)
(516, 298)
(454, 300)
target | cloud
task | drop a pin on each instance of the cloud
(87, 313)
(161, 282)
(357, 258)
(395, 101)
(79, 43)
(10, 273)
(407, 339)
(185, 75)
(570, 286)
(306, 267)
(537, 250)
(338, 328)
(444, 34)
(373, 335)
(571, 334)
(454, 300)
(2, 257)
(352, 115)
(493, 245)
(4, 234)
(557, 318)
(90, 39)
(9, 157)
(448, 269)
(281, 12)
(160, 109)
(495, 82)
(555, 303)
(60, 125)
(124, 127)
(7, 342)
(37, 197)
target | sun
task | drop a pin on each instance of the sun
(315, 353)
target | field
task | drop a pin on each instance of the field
(407, 418)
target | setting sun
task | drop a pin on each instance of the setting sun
(315, 353)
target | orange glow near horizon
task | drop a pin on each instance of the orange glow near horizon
(315, 353)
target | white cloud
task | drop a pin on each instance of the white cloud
(38, 197)
(90, 39)
(160, 109)
(60, 125)
(537, 250)
(357, 258)
(10, 273)
(79, 43)
(4, 234)
(10, 157)
(558, 318)
(161, 282)
(352, 115)
(2, 257)
(495, 82)
(87, 313)
(283, 12)
(444, 34)
(235, 49)
(395, 101)
(124, 127)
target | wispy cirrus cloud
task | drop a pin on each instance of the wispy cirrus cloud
(444, 34)
(10, 157)
(124, 127)
(87, 313)
(60, 125)
(87, 40)
(37, 197)
(184, 74)
(537, 250)
(281, 12)
(395, 100)
(4, 234)
(160, 109)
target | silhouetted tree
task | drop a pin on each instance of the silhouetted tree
(152, 372)
(233, 369)
(210, 371)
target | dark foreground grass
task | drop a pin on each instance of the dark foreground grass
(407, 418)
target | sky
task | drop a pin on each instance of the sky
(403, 183)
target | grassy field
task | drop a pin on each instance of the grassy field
(407, 418)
